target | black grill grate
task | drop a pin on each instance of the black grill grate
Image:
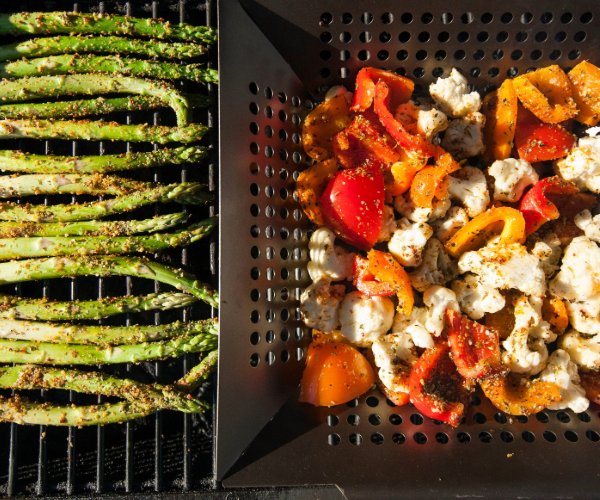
(167, 451)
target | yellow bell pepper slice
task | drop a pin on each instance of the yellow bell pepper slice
(500, 110)
(322, 123)
(585, 78)
(310, 186)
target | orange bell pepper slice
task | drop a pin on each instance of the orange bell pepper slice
(426, 182)
(500, 110)
(322, 123)
(364, 280)
(554, 312)
(385, 268)
(547, 93)
(470, 235)
(310, 186)
(404, 171)
(585, 78)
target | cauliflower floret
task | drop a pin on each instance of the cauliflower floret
(453, 97)
(476, 299)
(389, 224)
(394, 354)
(549, 251)
(464, 136)
(579, 276)
(506, 266)
(591, 226)
(406, 207)
(583, 352)
(525, 355)
(408, 242)
(414, 325)
(511, 177)
(437, 267)
(339, 90)
(582, 164)
(319, 305)
(431, 121)
(364, 319)
(438, 299)
(563, 372)
(585, 316)
(327, 260)
(470, 189)
(447, 226)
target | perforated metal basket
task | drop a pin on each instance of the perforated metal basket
(277, 57)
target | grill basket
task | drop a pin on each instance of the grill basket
(277, 57)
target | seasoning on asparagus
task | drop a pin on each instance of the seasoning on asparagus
(99, 131)
(41, 47)
(16, 161)
(43, 87)
(12, 307)
(199, 373)
(49, 23)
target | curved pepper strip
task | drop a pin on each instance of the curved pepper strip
(554, 312)
(386, 269)
(469, 236)
(401, 88)
(536, 208)
(436, 388)
(413, 143)
(310, 186)
(585, 78)
(500, 110)
(364, 280)
(426, 182)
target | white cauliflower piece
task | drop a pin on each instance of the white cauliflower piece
(453, 97)
(591, 226)
(319, 305)
(389, 224)
(438, 299)
(430, 121)
(585, 316)
(470, 189)
(414, 325)
(511, 177)
(506, 266)
(579, 276)
(476, 299)
(448, 226)
(524, 355)
(549, 251)
(464, 136)
(408, 242)
(582, 164)
(437, 267)
(406, 207)
(584, 352)
(364, 319)
(394, 354)
(563, 372)
(327, 260)
(339, 90)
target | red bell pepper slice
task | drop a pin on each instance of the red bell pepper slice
(401, 87)
(414, 143)
(539, 141)
(365, 282)
(590, 381)
(535, 206)
(437, 389)
(475, 348)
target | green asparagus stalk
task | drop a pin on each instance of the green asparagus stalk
(57, 333)
(48, 246)
(45, 310)
(89, 107)
(33, 377)
(90, 228)
(199, 373)
(46, 353)
(63, 267)
(49, 23)
(98, 131)
(41, 47)
(16, 161)
(185, 192)
(43, 87)
(112, 65)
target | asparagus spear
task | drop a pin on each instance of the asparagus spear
(98, 131)
(49, 23)
(24, 248)
(36, 331)
(62, 267)
(113, 65)
(40, 47)
(88, 107)
(199, 373)
(16, 161)
(22, 351)
(45, 310)
(90, 228)
(32, 377)
(43, 87)
(185, 192)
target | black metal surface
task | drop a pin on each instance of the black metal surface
(368, 449)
